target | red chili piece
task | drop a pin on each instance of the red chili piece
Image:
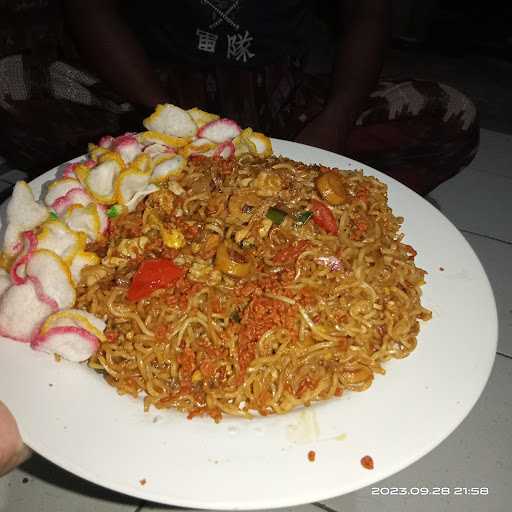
(152, 275)
(367, 462)
(323, 217)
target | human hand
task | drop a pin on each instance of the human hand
(329, 130)
(13, 451)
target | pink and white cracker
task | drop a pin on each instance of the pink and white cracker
(69, 169)
(23, 214)
(86, 220)
(156, 149)
(104, 220)
(220, 130)
(106, 141)
(127, 146)
(72, 343)
(22, 302)
(59, 239)
(53, 274)
(101, 178)
(60, 188)
(18, 269)
(140, 195)
(171, 120)
(225, 150)
(74, 196)
(81, 260)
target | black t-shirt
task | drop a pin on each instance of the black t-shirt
(230, 32)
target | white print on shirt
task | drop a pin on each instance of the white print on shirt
(207, 41)
(238, 46)
(222, 13)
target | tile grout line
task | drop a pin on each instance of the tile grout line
(141, 505)
(486, 236)
(504, 355)
(494, 173)
(324, 507)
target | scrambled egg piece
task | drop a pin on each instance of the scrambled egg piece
(173, 238)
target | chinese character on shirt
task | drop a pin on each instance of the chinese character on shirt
(238, 46)
(207, 41)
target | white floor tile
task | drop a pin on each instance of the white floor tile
(41, 486)
(495, 153)
(478, 454)
(478, 201)
(496, 258)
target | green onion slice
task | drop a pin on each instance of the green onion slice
(113, 212)
(303, 217)
(276, 215)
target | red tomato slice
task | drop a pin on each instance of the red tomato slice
(152, 275)
(323, 217)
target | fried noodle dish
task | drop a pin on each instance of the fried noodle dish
(253, 285)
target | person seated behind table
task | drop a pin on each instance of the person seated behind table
(274, 66)
(294, 69)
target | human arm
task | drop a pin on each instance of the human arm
(12, 449)
(112, 51)
(364, 27)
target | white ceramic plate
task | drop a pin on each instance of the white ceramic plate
(67, 413)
